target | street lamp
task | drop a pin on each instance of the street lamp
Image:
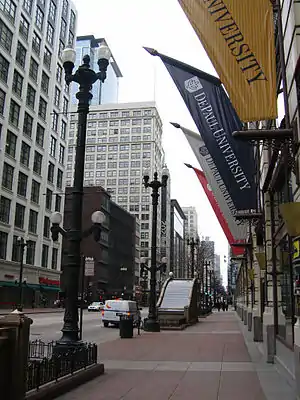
(22, 244)
(151, 324)
(85, 77)
(70, 329)
(193, 244)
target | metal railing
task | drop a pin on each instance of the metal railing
(45, 366)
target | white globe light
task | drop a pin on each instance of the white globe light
(143, 260)
(98, 217)
(56, 218)
(165, 172)
(146, 172)
(171, 274)
(68, 55)
(164, 260)
(103, 52)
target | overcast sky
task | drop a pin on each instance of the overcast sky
(128, 25)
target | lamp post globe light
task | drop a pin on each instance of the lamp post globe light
(85, 77)
(151, 324)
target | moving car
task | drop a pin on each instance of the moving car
(96, 306)
(113, 309)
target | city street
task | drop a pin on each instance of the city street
(47, 327)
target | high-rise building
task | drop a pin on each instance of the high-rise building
(177, 243)
(34, 102)
(122, 141)
(102, 93)
(191, 222)
(217, 267)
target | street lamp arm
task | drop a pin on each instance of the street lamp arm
(56, 230)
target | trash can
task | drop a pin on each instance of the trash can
(126, 326)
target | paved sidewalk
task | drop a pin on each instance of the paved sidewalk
(33, 310)
(208, 361)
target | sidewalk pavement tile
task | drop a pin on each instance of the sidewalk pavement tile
(240, 385)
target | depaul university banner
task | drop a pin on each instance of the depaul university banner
(238, 229)
(215, 206)
(216, 119)
(238, 36)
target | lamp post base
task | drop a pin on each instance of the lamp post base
(151, 325)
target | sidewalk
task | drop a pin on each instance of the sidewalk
(209, 361)
(33, 310)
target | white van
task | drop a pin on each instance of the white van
(113, 309)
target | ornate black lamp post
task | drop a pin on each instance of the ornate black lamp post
(193, 243)
(151, 324)
(22, 244)
(85, 77)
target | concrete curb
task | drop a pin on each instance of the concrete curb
(53, 390)
(52, 311)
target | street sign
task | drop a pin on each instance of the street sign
(89, 268)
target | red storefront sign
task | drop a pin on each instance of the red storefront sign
(48, 282)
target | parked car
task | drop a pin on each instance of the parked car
(113, 309)
(96, 306)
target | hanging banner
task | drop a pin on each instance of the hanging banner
(224, 225)
(238, 36)
(220, 192)
(216, 119)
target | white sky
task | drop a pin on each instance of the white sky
(127, 26)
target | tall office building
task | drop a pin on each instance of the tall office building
(218, 267)
(122, 141)
(108, 92)
(34, 102)
(191, 222)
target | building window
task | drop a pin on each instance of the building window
(46, 227)
(45, 253)
(54, 121)
(22, 184)
(65, 7)
(49, 195)
(35, 191)
(50, 34)
(11, 144)
(24, 27)
(63, 29)
(56, 96)
(50, 172)
(30, 98)
(16, 249)
(14, 113)
(47, 58)
(4, 68)
(7, 176)
(54, 258)
(40, 133)
(71, 39)
(4, 209)
(42, 108)
(59, 180)
(36, 43)
(19, 216)
(30, 252)
(61, 46)
(63, 130)
(72, 20)
(33, 221)
(45, 83)
(52, 11)
(3, 245)
(21, 55)
(8, 7)
(6, 36)
(37, 163)
(33, 69)
(57, 203)
(59, 71)
(65, 106)
(27, 5)
(39, 18)
(61, 157)
(2, 101)
(53, 146)
(25, 154)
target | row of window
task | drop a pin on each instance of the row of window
(113, 139)
(123, 122)
(118, 114)
(30, 252)
(25, 153)
(22, 186)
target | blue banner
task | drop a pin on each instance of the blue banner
(216, 119)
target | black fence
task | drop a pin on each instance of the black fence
(45, 365)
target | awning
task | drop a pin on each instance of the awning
(53, 288)
(29, 285)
